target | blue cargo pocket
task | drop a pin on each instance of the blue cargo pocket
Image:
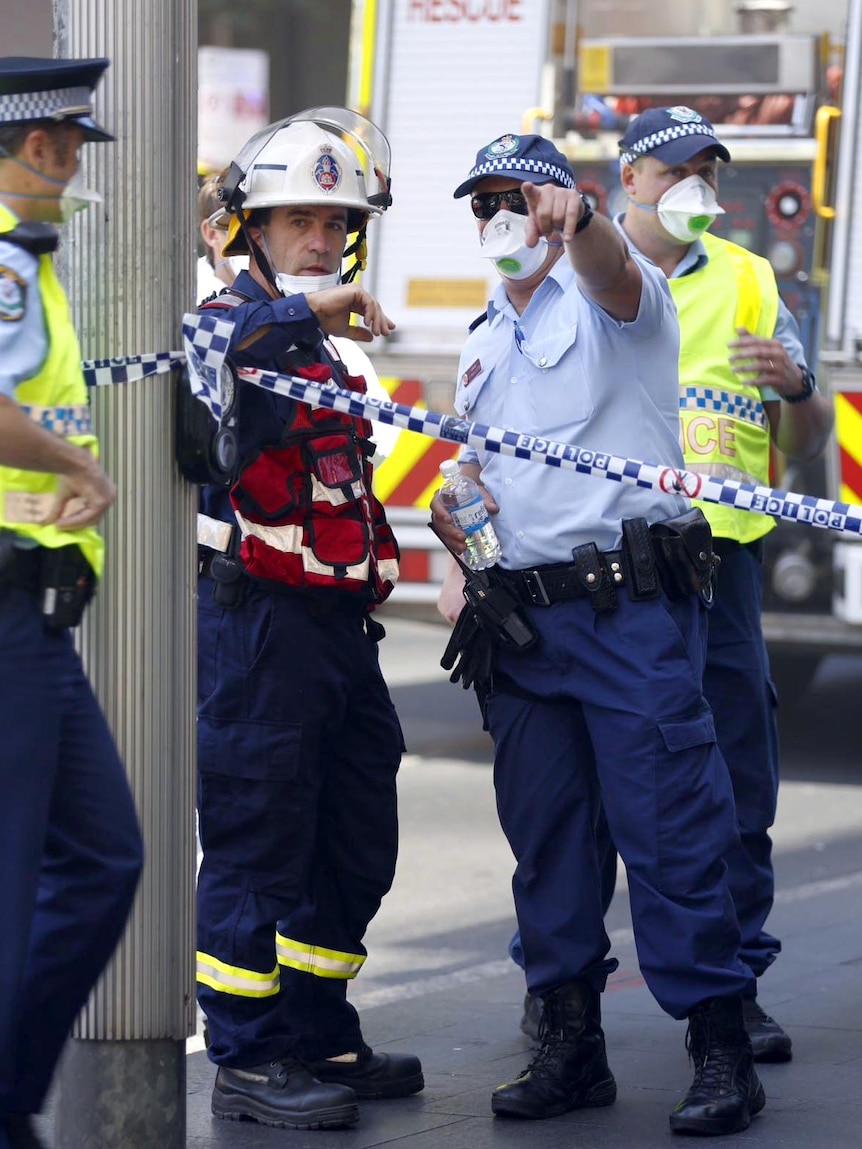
(694, 804)
(249, 751)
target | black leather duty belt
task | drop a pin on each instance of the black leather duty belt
(562, 582)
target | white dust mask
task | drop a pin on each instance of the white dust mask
(76, 196)
(503, 241)
(688, 208)
(303, 284)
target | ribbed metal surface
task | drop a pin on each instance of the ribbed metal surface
(128, 270)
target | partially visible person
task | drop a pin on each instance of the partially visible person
(70, 846)
(741, 353)
(580, 344)
(299, 744)
(215, 271)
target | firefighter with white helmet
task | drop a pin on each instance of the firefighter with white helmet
(299, 743)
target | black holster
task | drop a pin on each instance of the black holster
(685, 557)
(491, 618)
(67, 584)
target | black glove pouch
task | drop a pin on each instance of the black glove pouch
(683, 549)
(68, 582)
(490, 618)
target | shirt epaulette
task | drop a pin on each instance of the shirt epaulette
(36, 238)
(478, 321)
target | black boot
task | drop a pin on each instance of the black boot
(769, 1042)
(570, 1071)
(374, 1075)
(726, 1092)
(284, 1094)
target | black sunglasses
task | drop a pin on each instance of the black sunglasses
(485, 205)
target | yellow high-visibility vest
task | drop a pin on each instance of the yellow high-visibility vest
(56, 396)
(723, 425)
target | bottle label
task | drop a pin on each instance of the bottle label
(471, 516)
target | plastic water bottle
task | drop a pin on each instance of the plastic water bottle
(463, 500)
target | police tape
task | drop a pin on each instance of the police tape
(102, 372)
(206, 341)
(762, 500)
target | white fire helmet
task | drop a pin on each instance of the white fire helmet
(320, 156)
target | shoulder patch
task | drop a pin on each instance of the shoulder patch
(13, 295)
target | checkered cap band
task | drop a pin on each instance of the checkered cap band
(508, 164)
(664, 136)
(54, 104)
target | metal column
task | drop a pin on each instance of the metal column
(128, 269)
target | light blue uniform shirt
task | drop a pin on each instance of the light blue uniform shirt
(23, 335)
(565, 370)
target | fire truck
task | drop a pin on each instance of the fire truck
(442, 77)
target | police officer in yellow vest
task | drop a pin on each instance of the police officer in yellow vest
(744, 384)
(70, 846)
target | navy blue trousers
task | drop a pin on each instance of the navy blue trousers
(70, 847)
(298, 751)
(609, 708)
(739, 689)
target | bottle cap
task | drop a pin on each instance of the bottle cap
(449, 468)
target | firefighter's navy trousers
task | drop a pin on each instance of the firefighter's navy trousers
(70, 847)
(298, 750)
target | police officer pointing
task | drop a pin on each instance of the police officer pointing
(580, 343)
(70, 848)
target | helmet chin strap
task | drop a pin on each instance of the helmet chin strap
(261, 257)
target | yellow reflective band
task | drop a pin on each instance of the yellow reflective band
(316, 960)
(233, 979)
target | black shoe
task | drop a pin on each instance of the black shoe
(374, 1075)
(21, 1132)
(570, 1071)
(284, 1094)
(532, 1017)
(769, 1042)
(726, 1092)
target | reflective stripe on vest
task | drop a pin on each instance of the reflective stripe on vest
(729, 433)
(58, 386)
(317, 960)
(235, 980)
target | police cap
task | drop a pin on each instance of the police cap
(36, 88)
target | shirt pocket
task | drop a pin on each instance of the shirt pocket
(561, 388)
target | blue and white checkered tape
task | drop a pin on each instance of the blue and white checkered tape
(207, 339)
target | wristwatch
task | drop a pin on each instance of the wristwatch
(587, 214)
(809, 386)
